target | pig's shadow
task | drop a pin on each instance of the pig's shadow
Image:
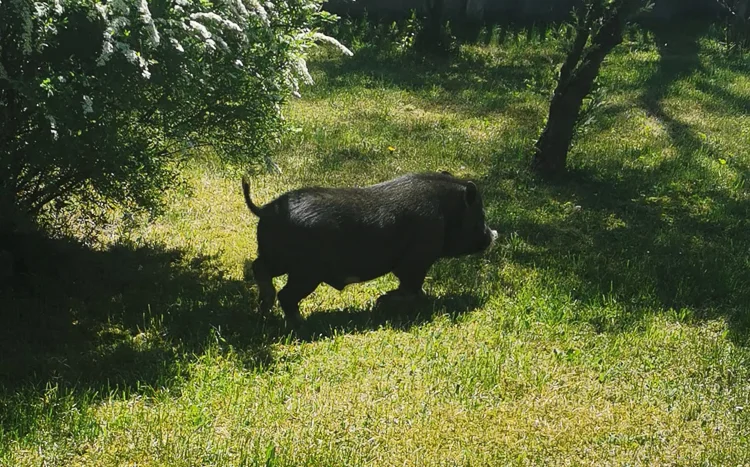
(393, 315)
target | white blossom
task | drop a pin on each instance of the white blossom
(41, 9)
(208, 24)
(217, 19)
(259, 11)
(201, 29)
(331, 40)
(176, 44)
(239, 9)
(300, 66)
(107, 45)
(107, 49)
(88, 105)
(52, 126)
(292, 82)
(102, 10)
(135, 58)
(153, 33)
(128, 52)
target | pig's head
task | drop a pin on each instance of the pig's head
(468, 232)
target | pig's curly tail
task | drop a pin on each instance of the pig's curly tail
(246, 191)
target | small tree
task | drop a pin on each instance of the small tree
(433, 36)
(602, 21)
(99, 98)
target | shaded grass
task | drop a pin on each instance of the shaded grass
(609, 326)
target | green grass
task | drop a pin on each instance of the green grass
(609, 326)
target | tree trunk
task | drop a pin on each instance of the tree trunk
(551, 150)
(431, 38)
(576, 79)
(474, 10)
(8, 208)
(741, 23)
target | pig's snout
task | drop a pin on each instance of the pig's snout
(488, 238)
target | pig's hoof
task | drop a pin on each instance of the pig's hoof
(293, 320)
(264, 309)
(247, 272)
(392, 296)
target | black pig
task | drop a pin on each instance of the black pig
(341, 236)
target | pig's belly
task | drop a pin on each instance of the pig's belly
(339, 282)
(340, 275)
(340, 260)
(350, 267)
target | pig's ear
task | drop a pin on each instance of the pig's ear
(445, 172)
(471, 193)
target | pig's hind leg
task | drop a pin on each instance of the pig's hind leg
(266, 290)
(297, 287)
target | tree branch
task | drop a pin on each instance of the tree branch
(55, 191)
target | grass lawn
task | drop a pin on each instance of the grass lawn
(609, 326)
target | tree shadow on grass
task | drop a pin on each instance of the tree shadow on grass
(400, 316)
(730, 103)
(85, 323)
(130, 320)
(679, 57)
(117, 318)
(645, 239)
(659, 237)
(470, 83)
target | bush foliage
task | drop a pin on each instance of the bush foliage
(99, 99)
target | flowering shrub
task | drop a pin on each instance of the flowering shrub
(98, 98)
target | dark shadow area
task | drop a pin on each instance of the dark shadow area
(678, 58)
(116, 318)
(396, 315)
(130, 319)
